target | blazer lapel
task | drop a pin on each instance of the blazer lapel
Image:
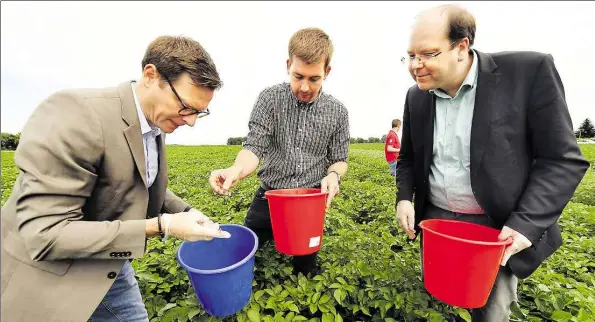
(133, 132)
(484, 105)
(159, 187)
(428, 113)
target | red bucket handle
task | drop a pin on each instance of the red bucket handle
(509, 241)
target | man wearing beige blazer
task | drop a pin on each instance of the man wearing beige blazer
(92, 171)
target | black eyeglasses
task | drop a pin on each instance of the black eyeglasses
(187, 110)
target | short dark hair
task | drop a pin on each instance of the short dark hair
(174, 55)
(461, 24)
(396, 123)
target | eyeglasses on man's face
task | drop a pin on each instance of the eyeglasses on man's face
(187, 110)
(423, 57)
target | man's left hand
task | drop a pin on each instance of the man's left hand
(330, 184)
(519, 242)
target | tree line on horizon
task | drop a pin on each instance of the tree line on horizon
(585, 130)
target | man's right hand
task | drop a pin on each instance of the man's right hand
(224, 179)
(406, 217)
(191, 226)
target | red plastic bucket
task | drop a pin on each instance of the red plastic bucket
(297, 218)
(460, 261)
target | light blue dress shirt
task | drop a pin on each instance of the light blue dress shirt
(150, 134)
(450, 176)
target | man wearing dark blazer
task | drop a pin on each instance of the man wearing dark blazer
(487, 138)
(93, 186)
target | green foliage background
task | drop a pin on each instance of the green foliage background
(371, 271)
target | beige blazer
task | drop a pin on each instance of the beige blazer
(77, 209)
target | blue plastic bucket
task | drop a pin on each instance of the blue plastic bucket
(221, 270)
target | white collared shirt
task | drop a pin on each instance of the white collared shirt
(450, 175)
(150, 134)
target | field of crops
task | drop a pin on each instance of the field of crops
(371, 272)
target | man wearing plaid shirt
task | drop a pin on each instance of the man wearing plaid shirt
(300, 132)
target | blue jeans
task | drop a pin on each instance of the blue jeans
(504, 292)
(123, 302)
(393, 168)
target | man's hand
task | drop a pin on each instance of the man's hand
(406, 217)
(330, 184)
(191, 226)
(224, 179)
(519, 242)
(202, 218)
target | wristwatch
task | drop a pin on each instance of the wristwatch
(337, 173)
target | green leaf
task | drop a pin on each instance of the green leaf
(337, 294)
(294, 308)
(253, 315)
(543, 288)
(300, 318)
(464, 314)
(332, 309)
(387, 306)
(517, 312)
(335, 285)
(279, 317)
(327, 317)
(283, 295)
(277, 289)
(166, 307)
(315, 298)
(338, 318)
(561, 316)
(302, 282)
(258, 294)
(313, 308)
(365, 310)
(289, 316)
(323, 299)
(559, 301)
(241, 317)
(193, 312)
(583, 316)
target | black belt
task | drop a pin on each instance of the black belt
(265, 187)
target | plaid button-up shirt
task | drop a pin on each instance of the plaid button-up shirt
(298, 141)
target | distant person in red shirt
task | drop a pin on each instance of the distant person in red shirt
(393, 146)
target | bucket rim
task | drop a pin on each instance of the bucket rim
(224, 269)
(505, 242)
(314, 194)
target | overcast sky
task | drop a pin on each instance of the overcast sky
(50, 46)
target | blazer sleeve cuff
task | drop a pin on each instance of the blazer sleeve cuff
(130, 241)
(403, 195)
(532, 232)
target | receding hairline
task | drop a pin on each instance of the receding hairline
(441, 10)
(444, 14)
